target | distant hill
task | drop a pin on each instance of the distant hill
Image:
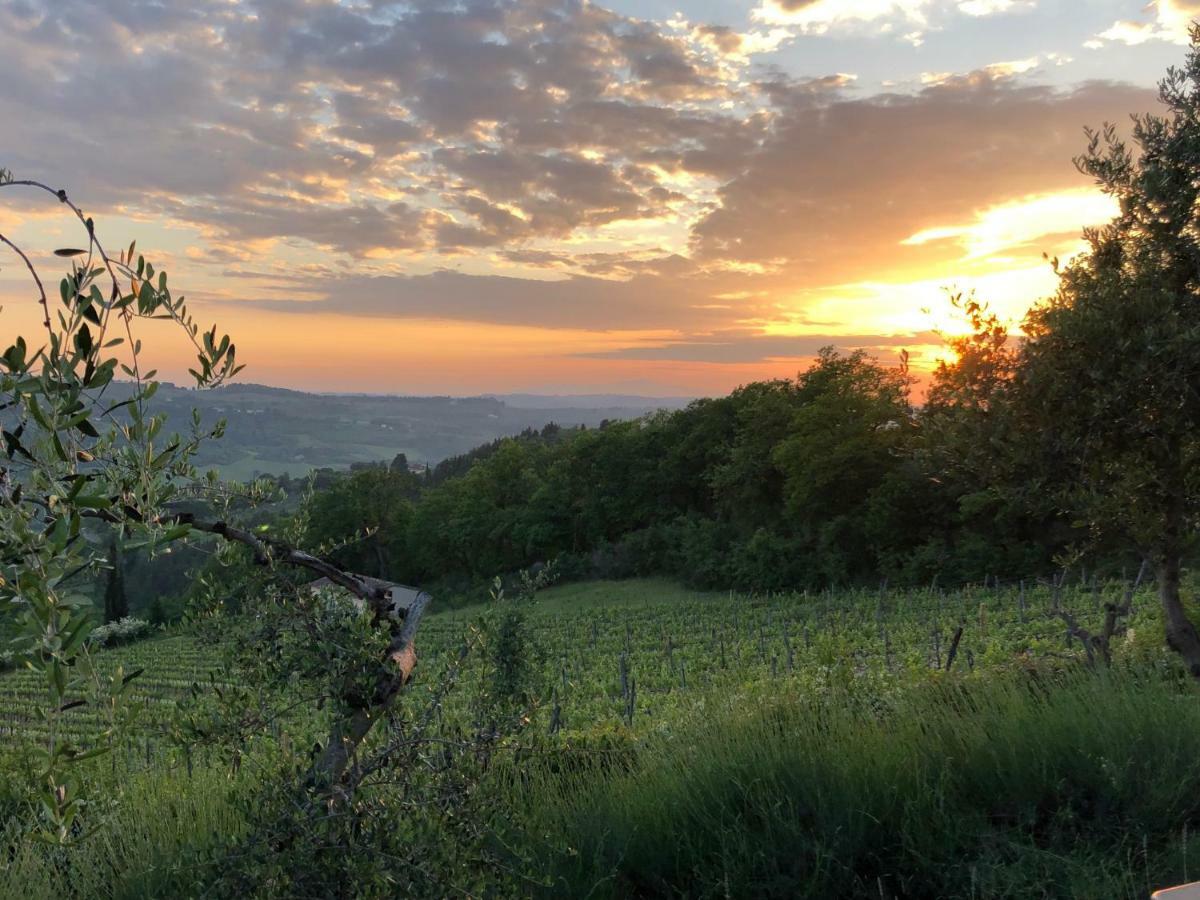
(275, 430)
(591, 401)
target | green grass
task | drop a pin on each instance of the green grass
(582, 597)
(152, 844)
(634, 594)
(1000, 788)
(787, 745)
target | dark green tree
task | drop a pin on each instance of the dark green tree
(843, 441)
(1109, 377)
(362, 517)
(116, 604)
(993, 493)
(748, 483)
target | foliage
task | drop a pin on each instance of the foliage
(373, 501)
(508, 684)
(1079, 444)
(785, 739)
(116, 603)
(455, 795)
(825, 479)
(1109, 379)
(119, 631)
(74, 455)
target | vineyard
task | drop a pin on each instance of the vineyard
(636, 654)
(637, 672)
(166, 669)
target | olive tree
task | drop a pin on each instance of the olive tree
(1109, 375)
(82, 454)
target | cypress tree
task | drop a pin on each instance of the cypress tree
(116, 604)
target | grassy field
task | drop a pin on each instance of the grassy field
(963, 788)
(785, 745)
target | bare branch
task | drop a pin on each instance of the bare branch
(36, 280)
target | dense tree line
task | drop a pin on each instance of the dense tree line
(835, 477)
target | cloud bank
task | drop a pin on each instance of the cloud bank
(546, 163)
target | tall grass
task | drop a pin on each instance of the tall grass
(1012, 787)
(151, 845)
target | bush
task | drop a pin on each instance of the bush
(702, 552)
(769, 562)
(120, 632)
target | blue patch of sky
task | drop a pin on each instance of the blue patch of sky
(952, 42)
(711, 12)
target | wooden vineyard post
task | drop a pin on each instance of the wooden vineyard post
(953, 652)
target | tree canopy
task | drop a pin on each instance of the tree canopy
(1109, 376)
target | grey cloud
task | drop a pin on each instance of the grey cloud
(642, 302)
(722, 37)
(558, 191)
(496, 226)
(659, 63)
(747, 347)
(507, 125)
(841, 182)
(672, 138)
(373, 120)
(199, 108)
(349, 228)
(654, 261)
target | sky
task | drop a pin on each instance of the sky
(658, 197)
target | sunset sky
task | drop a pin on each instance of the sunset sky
(665, 197)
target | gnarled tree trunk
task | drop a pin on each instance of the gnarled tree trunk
(381, 597)
(1181, 633)
(347, 733)
(1182, 636)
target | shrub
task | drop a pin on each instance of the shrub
(769, 562)
(120, 632)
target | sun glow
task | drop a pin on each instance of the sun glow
(1018, 223)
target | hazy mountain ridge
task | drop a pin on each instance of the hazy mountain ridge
(590, 401)
(276, 430)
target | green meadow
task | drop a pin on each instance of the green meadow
(709, 744)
